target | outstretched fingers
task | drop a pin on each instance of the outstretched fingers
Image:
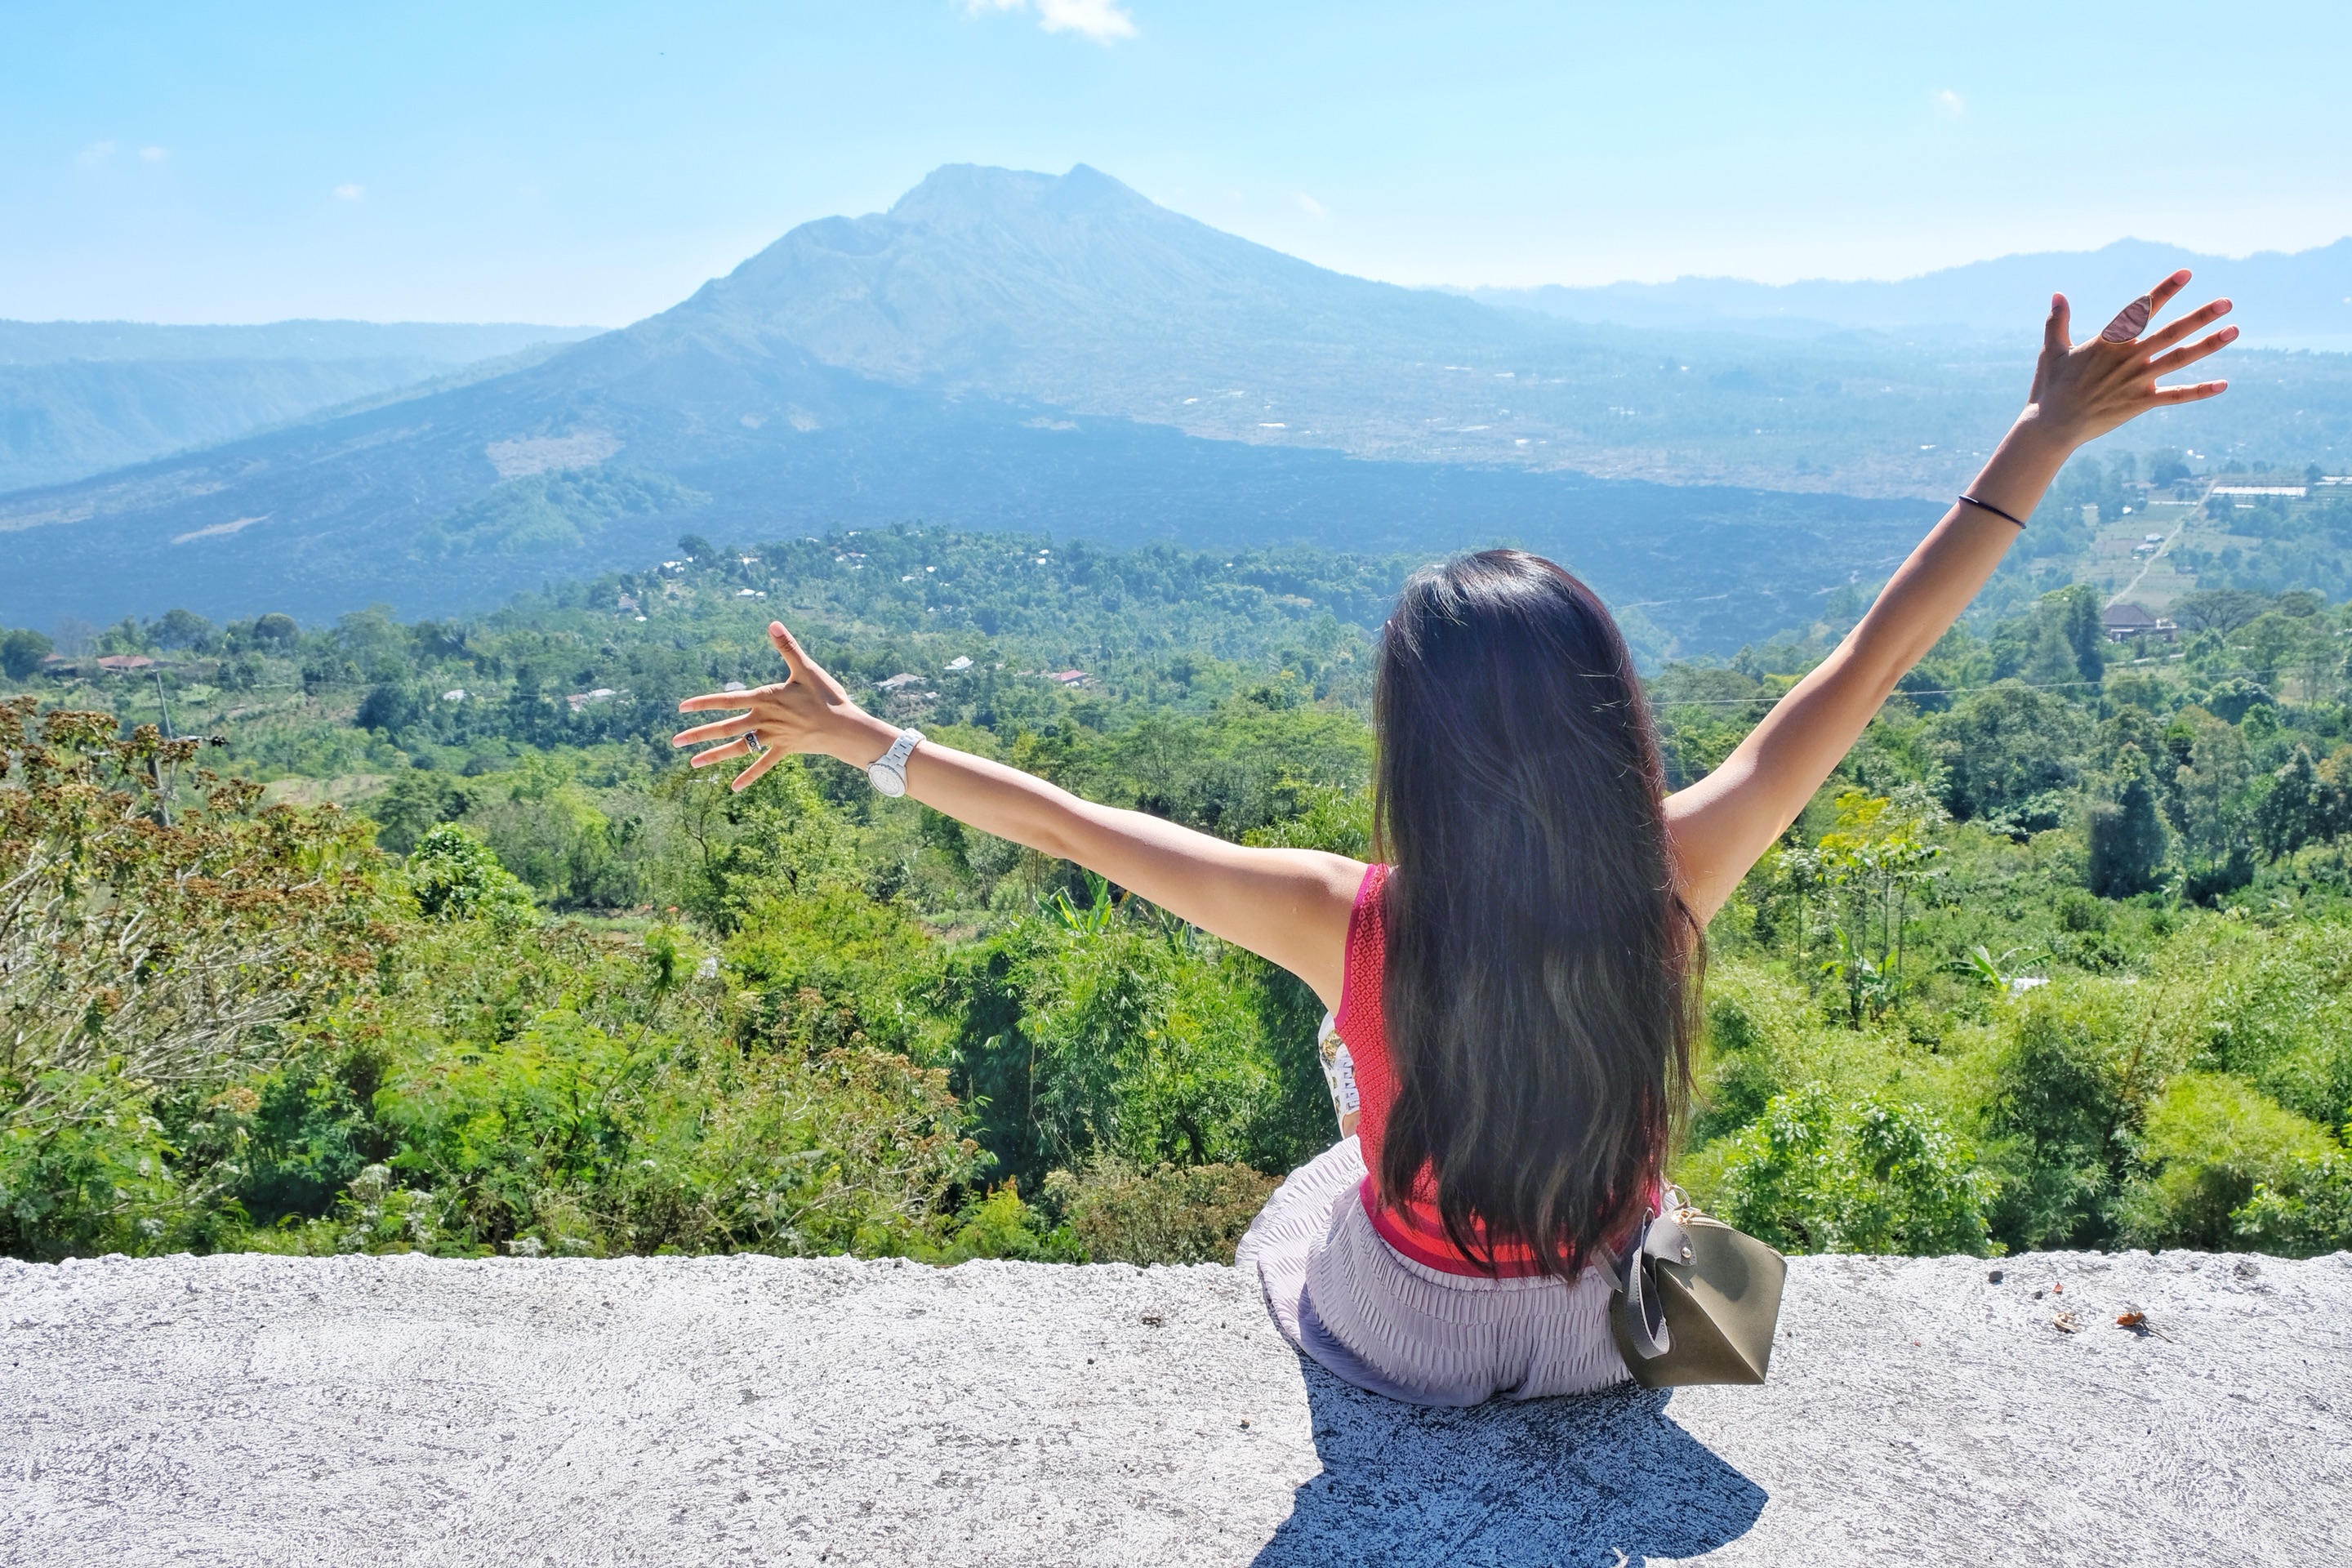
(787, 645)
(710, 699)
(2204, 316)
(2162, 294)
(751, 775)
(741, 724)
(2196, 393)
(725, 729)
(2053, 330)
(2212, 342)
(736, 747)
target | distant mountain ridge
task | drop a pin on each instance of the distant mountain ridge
(81, 397)
(434, 343)
(2298, 299)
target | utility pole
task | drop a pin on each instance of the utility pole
(163, 789)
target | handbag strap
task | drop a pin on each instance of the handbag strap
(1646, 1316)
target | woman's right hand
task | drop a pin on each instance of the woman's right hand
(1287, 906)
(2082, 391)
(807, 711)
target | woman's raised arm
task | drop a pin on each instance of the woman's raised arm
(1287, 906)
(1720, 824)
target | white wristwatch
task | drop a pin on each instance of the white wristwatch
(888, 771)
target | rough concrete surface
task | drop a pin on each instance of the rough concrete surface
(655, 1411)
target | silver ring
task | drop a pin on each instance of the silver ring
(752, 743)
(2130, 321)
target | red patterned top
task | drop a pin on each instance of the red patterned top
(1413, 1228)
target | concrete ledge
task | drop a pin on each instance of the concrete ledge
(654, 1411)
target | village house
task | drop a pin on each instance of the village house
(2124, 622)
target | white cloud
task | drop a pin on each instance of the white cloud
(1951, 103)
(1309, 206)
(97, 155)
(154, 154)
(1100, 20)
(350, 192)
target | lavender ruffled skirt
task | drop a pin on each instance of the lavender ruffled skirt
(1383, 1322)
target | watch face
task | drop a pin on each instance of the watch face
(886, 780)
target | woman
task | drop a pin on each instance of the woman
(1515, 984)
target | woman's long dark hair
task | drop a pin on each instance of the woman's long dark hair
(1542, 967)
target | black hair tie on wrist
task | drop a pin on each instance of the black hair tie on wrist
(2007, 516)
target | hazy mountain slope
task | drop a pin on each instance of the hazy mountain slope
(1077, 292)
(61, 421)
(2303, 299)
(80, 397)
(691, 425)
(438, 343)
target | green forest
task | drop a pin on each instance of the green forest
(388, 936)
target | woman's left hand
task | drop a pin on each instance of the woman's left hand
(2082, 391)
(809, 711)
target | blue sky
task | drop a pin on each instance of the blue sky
(594, 163)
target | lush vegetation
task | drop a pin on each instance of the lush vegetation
(446, 951)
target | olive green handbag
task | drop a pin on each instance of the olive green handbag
(1696, 1300)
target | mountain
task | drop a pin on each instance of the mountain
(80, 397)
(2302, 299)
(603, 453)
(1078, 292)
(972, 359)
(1006, 350)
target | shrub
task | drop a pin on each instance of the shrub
(21, 652)
(1875, 1174)
(2273, 1007)
(2068, 1084)
(589, 1142)
(1097, 1031)
(999, 1225)
(88, 1172)
(454, 876)
(2209, 1141)
(2308, 1212)
(1123, 1212)
(827, 967)
(162, 938)
(1738, 1071)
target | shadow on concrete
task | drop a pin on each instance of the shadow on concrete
(1604, 1479)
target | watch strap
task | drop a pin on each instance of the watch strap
(893, 761)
